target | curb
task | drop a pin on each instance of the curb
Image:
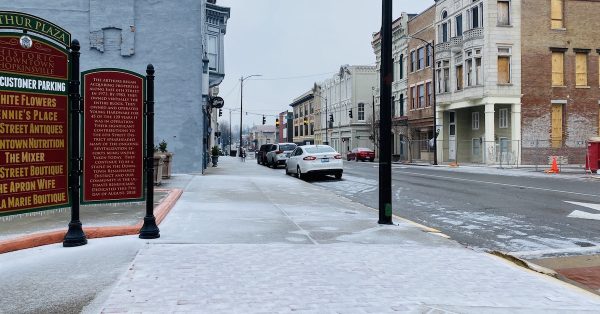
(52, 237)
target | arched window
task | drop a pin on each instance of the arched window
(444, 28)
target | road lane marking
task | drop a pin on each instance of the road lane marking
(588, 205)
(584, 215)
(500, 184)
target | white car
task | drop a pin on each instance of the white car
(313, 160)
(279, 154)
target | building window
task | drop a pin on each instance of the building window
(558, 67)
(474, 17)
(312, 129)
(459, 77)
(581, 69)
(557, 14)
(361, 112)
(443, 31)
(306, 129)
(421, 62)
(296, 130)
(429, 94)
(401, 104)
(475, 120)
(469, 70)
(295, 113)
(401, 67)
(312, 109)
(476, 147)
(413, 61)
(503, 65)
(421, 96)
(478, 73)
(459, 26)
(503, 12)
(428, 55)
(212, 52)
(413, 97)
(503, 118)
(557, 125)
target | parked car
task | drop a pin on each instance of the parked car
(314, 160)
(361, 154)
(280, 153)
(261, 154)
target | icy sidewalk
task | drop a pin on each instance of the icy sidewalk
(248, 239)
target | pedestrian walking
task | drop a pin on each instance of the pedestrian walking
(243, 154)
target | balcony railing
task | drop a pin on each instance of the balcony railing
(456, 43)
(442, 47)
(475, 33)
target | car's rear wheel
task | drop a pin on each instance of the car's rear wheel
(299, 174)
(338, 175)
(286, 171)
(372, 159)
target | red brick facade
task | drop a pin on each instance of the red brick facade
(420, 109)
(580, 105)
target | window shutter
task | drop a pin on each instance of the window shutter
(557, 69)
(557, 125)
(503, 70)
(581, 69)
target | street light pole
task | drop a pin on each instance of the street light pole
(385, 117)
(242, 79)
(433, 83)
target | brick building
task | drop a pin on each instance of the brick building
(561, 84)
(304, 118)
(421, 33)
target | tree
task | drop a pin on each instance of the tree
(374, 132)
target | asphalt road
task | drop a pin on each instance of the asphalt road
(523, 213)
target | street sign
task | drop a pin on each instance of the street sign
(217, 102)
(113, 137)
(34, 128)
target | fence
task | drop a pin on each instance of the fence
(502, 152)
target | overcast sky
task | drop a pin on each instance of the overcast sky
(287, 39)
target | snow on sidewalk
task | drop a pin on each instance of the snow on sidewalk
(248, 239)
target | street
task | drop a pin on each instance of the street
(523, 213)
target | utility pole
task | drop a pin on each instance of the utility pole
(385, 117)
(242, 79)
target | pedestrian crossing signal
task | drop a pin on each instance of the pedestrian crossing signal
(264, 120)
(220, 112)
(350, 113)
(331, 117)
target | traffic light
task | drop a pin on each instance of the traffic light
(350, 113)
(277, 122)
(264, 120)
(220, 112)
(331, 117)
(305, 121)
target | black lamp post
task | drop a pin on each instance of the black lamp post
(385, 117)
(242, 79)
(433, 83)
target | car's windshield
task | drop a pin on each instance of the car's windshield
(287, 147)
(319, 149)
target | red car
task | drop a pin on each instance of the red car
(361, 154)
